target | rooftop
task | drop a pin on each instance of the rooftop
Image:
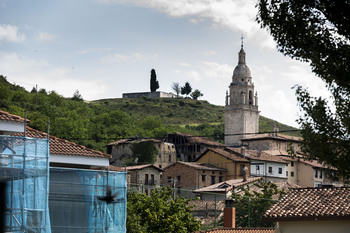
(272, 137)
(228, 185)
(258, 155)
(5, 116)
(227, 154)
(199, 166)
(139, 167)
(312, 204)
(63, 147)
(134, 140)
(200, 140)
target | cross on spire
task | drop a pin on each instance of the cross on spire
(242, 41)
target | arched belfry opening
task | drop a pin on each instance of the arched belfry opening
(250, 98)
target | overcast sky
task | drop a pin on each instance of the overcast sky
(104, 48)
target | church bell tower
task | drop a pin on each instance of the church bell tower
(241, 107)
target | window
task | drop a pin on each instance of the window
(241, 169)
(221, 178)
(159, 156)
(279, 170)
(321, 174)
(146, 178)
(212, 172)
(178, 178)
(270, 170)
(316, 173)
(292, 174)
(203, 171)
(257, 167)
(203, 178)
(152, 180)
(212, 179)
(220, 173)
(160, 166)
(286, 173)
(169, 158)
(170, 179)
(292, 164)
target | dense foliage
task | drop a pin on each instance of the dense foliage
(97, 123)
(251, 206)
(145, 152)
(318, 32)
(196, 94)
(187, 89)
(159, 212)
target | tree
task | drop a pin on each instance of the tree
(196, 94)
(317, 32)
(77, 96)
(176, 88)
(159, 212)
(251, 206)
(154, 81)
(145, 152)
(186, 90)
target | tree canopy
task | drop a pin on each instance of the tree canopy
(154, 81)
(159, 212)
(145, 152)
(317, 32)
(196, 94)
(251, 206)
(186, 90)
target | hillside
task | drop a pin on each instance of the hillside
(96, 123)
(182, 112)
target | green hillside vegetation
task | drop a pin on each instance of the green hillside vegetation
(97, 123)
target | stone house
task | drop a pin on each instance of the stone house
(191, 175)
(189, 147)
(144, 177)
(121, 151)
(307, 210)
(234, 162)
(263, 164)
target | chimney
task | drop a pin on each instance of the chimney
(245, 174)
(229, 214)
(243, 151)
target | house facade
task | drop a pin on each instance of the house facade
(191, 175)
(121, 151)
(234, 163)
(313, 210)
(262, 164)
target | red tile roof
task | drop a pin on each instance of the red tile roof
(63, 147)
(239, 230)
(258, 155)
(5, 116)
(139, 167)
(228, 185)
(133, 140)
(272, 137)
(312, 204)
(227, 154)
(199, 166)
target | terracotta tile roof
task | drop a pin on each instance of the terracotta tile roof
(238, 230)
(133, 140)
(200, 140)
(63, 147)
(114, 168)
(315, 163)
(229, 155)
(5, 116)
(272, 137)
(225, 186)
(199, 166)
(312, 204)
(258, 155)
(139, 167)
